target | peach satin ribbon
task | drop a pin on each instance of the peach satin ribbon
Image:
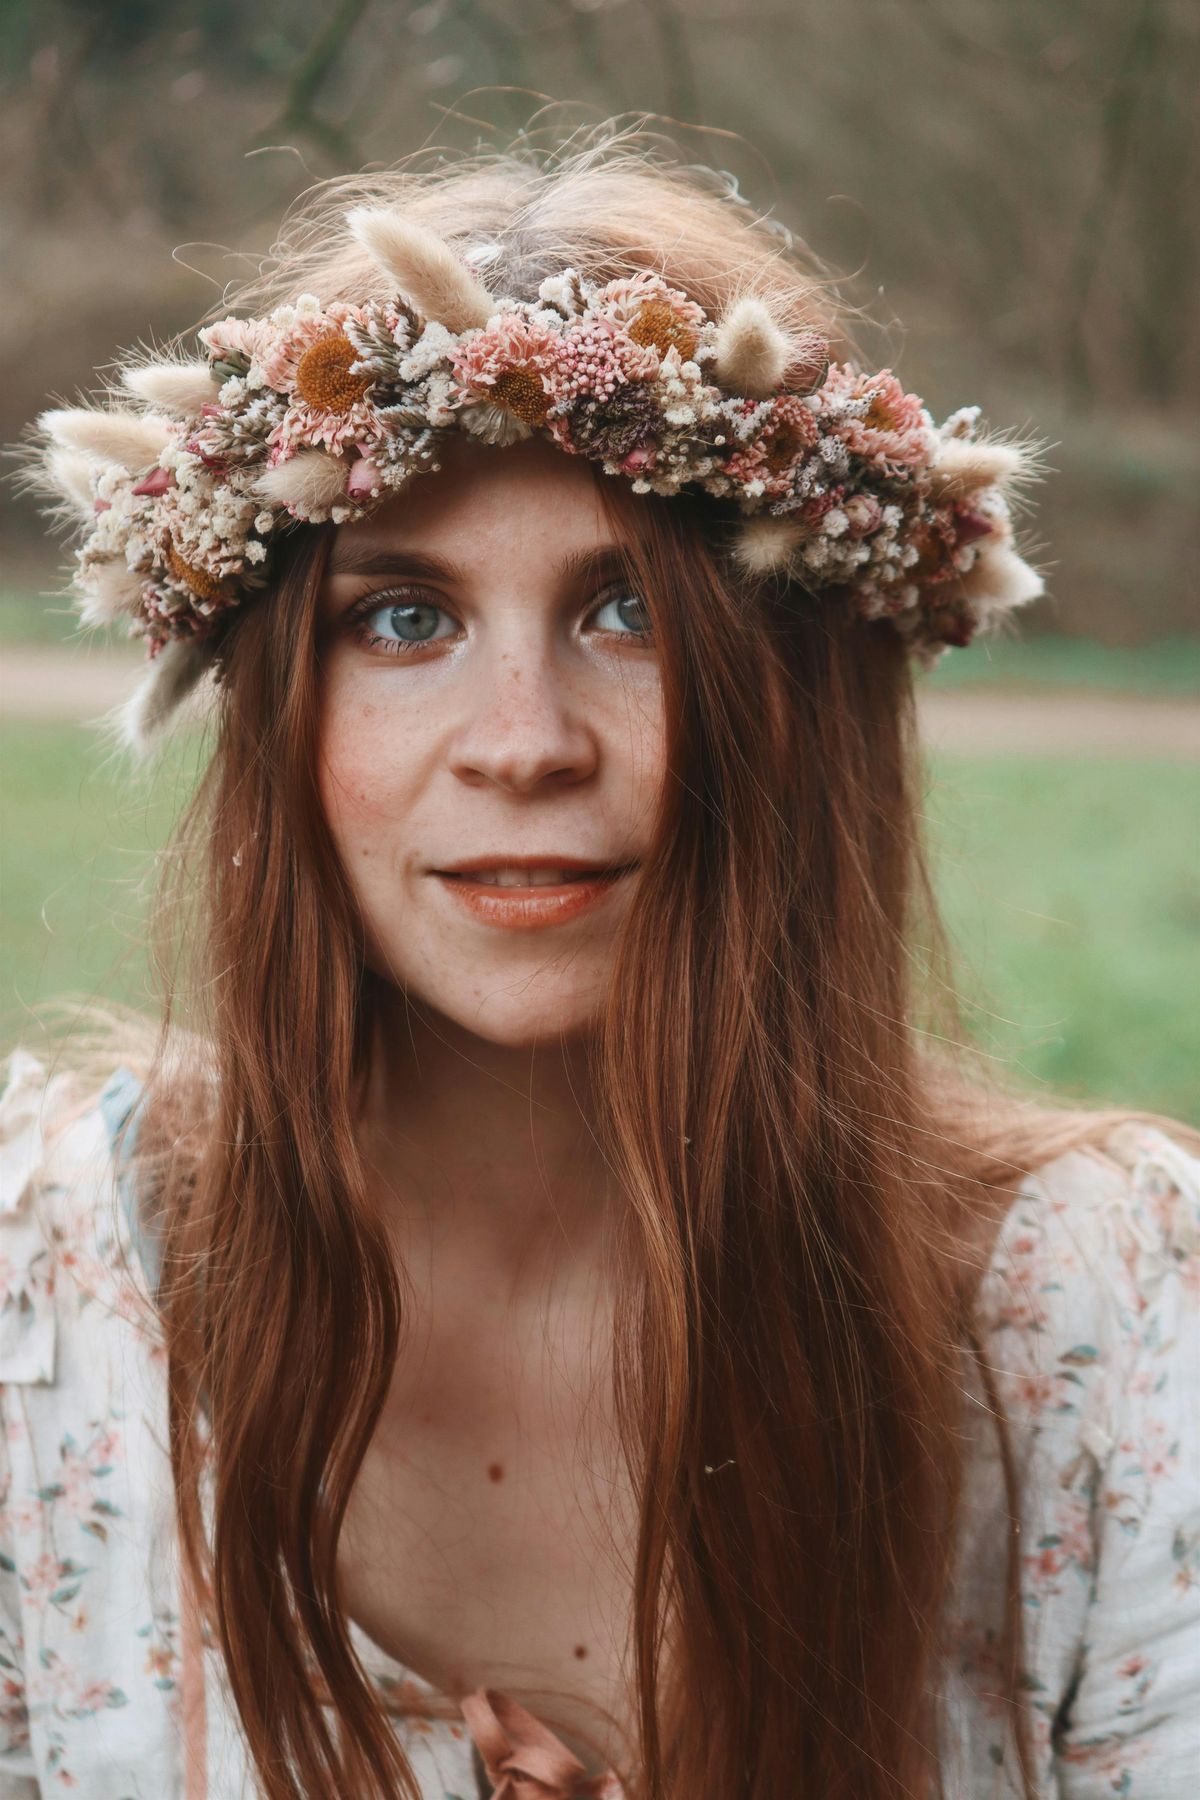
(524, 1759)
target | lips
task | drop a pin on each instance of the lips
(531, 905)
(529, 878)
(498, 869)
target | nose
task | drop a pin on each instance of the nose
(525, 722)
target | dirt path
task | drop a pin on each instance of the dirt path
(45, 683)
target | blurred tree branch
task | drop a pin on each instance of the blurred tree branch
(678, 74)
(1116, 133)
(299, 102)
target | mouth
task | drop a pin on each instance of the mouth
(522, 879)
(531, 899)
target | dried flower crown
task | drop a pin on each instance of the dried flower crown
(319, 411)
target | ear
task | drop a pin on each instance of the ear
(128, 438)
(752, 351)
(309, 482)
(423, 267)
(175, 671)
(765, 544)
(182, 387)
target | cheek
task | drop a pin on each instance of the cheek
(361, 780)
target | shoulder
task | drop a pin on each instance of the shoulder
(65, 1237)
(1107, 1235)
(1089, 1320)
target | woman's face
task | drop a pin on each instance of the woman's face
(489, 690)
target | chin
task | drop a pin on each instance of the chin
(517, 1015)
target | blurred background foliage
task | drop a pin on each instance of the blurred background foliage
(1002, 185)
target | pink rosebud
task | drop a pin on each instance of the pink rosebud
(156, 482)
(638, 458)
(969, 526)
(864, 513)
(194, 448)
(99, 506)
(363, 478)
(210, 410)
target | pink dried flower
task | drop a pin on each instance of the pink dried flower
(309, 427)
(595, 358)
(969, 526)
(623, 299)
(511, 363)
(893, 435)
(284, 347)
(363, 479)
(236, 337)
(863, 513)
(157, 482)
(778, 449)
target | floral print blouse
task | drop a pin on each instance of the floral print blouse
(1090, 1309)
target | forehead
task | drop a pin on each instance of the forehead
(528, 499)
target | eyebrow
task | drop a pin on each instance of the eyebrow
(364, 560)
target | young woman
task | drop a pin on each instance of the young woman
(547, 1314)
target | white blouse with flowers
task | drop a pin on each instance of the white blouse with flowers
(1090, 1309)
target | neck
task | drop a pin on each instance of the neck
(485, 1156)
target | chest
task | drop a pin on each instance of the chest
(490, 1537)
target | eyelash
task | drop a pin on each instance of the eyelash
(376, 601)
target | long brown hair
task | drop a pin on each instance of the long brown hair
(810, 1189)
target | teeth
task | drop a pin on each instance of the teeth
(521, 877)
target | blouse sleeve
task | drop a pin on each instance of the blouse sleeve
(1131, 1726)
(16, 1756)
(26, 1354)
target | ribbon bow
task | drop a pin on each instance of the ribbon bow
(524, 1759)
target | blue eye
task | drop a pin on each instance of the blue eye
(402, 625)
(407, 624)
(638, 617)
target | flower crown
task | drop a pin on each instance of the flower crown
(319, 411)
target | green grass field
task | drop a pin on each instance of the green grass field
(1071, 887)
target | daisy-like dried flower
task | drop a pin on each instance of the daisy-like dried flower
(786, 432)
(876, 420)
(510, 363)
(521, 391)
(659, 325)
(323, 375)
(198, 580)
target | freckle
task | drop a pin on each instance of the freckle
(425, 1418)
(495, 1472)
(581, 1651)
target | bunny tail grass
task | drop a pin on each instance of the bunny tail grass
(128, 438)
(762, 546)
(752, 351)
(140, 722)
(179, 387)
(424, 268)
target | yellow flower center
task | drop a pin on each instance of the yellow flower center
(656, 323)
(932, 555)
(520, 391)
(878, 415)
(784, 448)
(323, 378)
(199, 580)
